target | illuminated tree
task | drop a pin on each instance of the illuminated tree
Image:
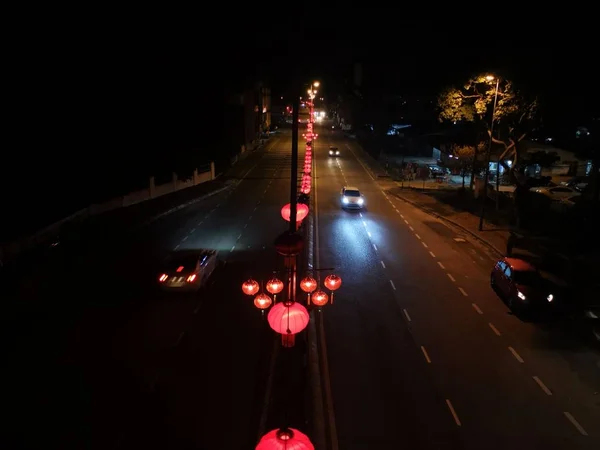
(474, 102)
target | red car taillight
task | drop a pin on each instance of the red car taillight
(163, 278)
(191, 278)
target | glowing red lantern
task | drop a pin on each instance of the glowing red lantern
(250, 287)
(288, 319)
(301, 212)
(308, 148)
(333, 283)
(305, 190)
(319, 298)
(274, 286)
(262, 301)
(308, 285)
(289, 244)
(285, 439)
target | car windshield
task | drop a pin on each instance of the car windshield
(349, 193)
(187, 262)
(527, 277)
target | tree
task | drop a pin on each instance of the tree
(513, 117)
(465, 159)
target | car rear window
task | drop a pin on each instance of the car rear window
(527, 277)
(188, 263)
(352, 193)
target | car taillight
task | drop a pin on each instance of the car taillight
(163, 278)
(191, 278)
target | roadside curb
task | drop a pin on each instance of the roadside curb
(452, 222)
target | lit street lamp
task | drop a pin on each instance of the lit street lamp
(487, 159)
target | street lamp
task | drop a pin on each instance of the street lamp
(489, 151)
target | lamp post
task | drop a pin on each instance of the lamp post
(488, 155)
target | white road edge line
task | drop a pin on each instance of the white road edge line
(382, 264)
(516, 355)
(542, 386)
(393, 285)
(576, 424)
(406, 315)
(453, 412)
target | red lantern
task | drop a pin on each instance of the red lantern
(319, 298)
(288, 319)
(250, 287)
(308, 285)
(285, 439)
(333, 283)
(289, 244)
(301, 212)
(262, 301)
(308, 148)
(305, 190)
(274, 286)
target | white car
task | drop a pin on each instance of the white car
(352, 198)
(187, 270)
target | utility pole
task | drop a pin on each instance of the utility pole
(294, 174)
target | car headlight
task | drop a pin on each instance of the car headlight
(330, 152)
(360, 201)
(550, 297)
(337, 153)
(521, 295)
(345, 201)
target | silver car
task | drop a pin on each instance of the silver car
(352, 198)
(187, 270)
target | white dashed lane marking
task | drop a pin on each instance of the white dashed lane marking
(476, 308)
(393, 285)
(494, 329)
(451, 278)
(516, 355)
(463, 292)
(382, 264)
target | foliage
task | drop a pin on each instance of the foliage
(474, 102)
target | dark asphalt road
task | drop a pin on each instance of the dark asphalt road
(422, 353)
(101, 359)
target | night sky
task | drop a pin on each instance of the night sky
(123, 103)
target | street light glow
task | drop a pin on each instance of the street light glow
(316, 84)
(490, 78)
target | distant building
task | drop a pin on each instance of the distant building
(567, 164)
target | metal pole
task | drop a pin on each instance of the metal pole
(294, 174)
(498, 164)
(487, 161)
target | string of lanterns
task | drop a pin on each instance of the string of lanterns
(289, 317)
